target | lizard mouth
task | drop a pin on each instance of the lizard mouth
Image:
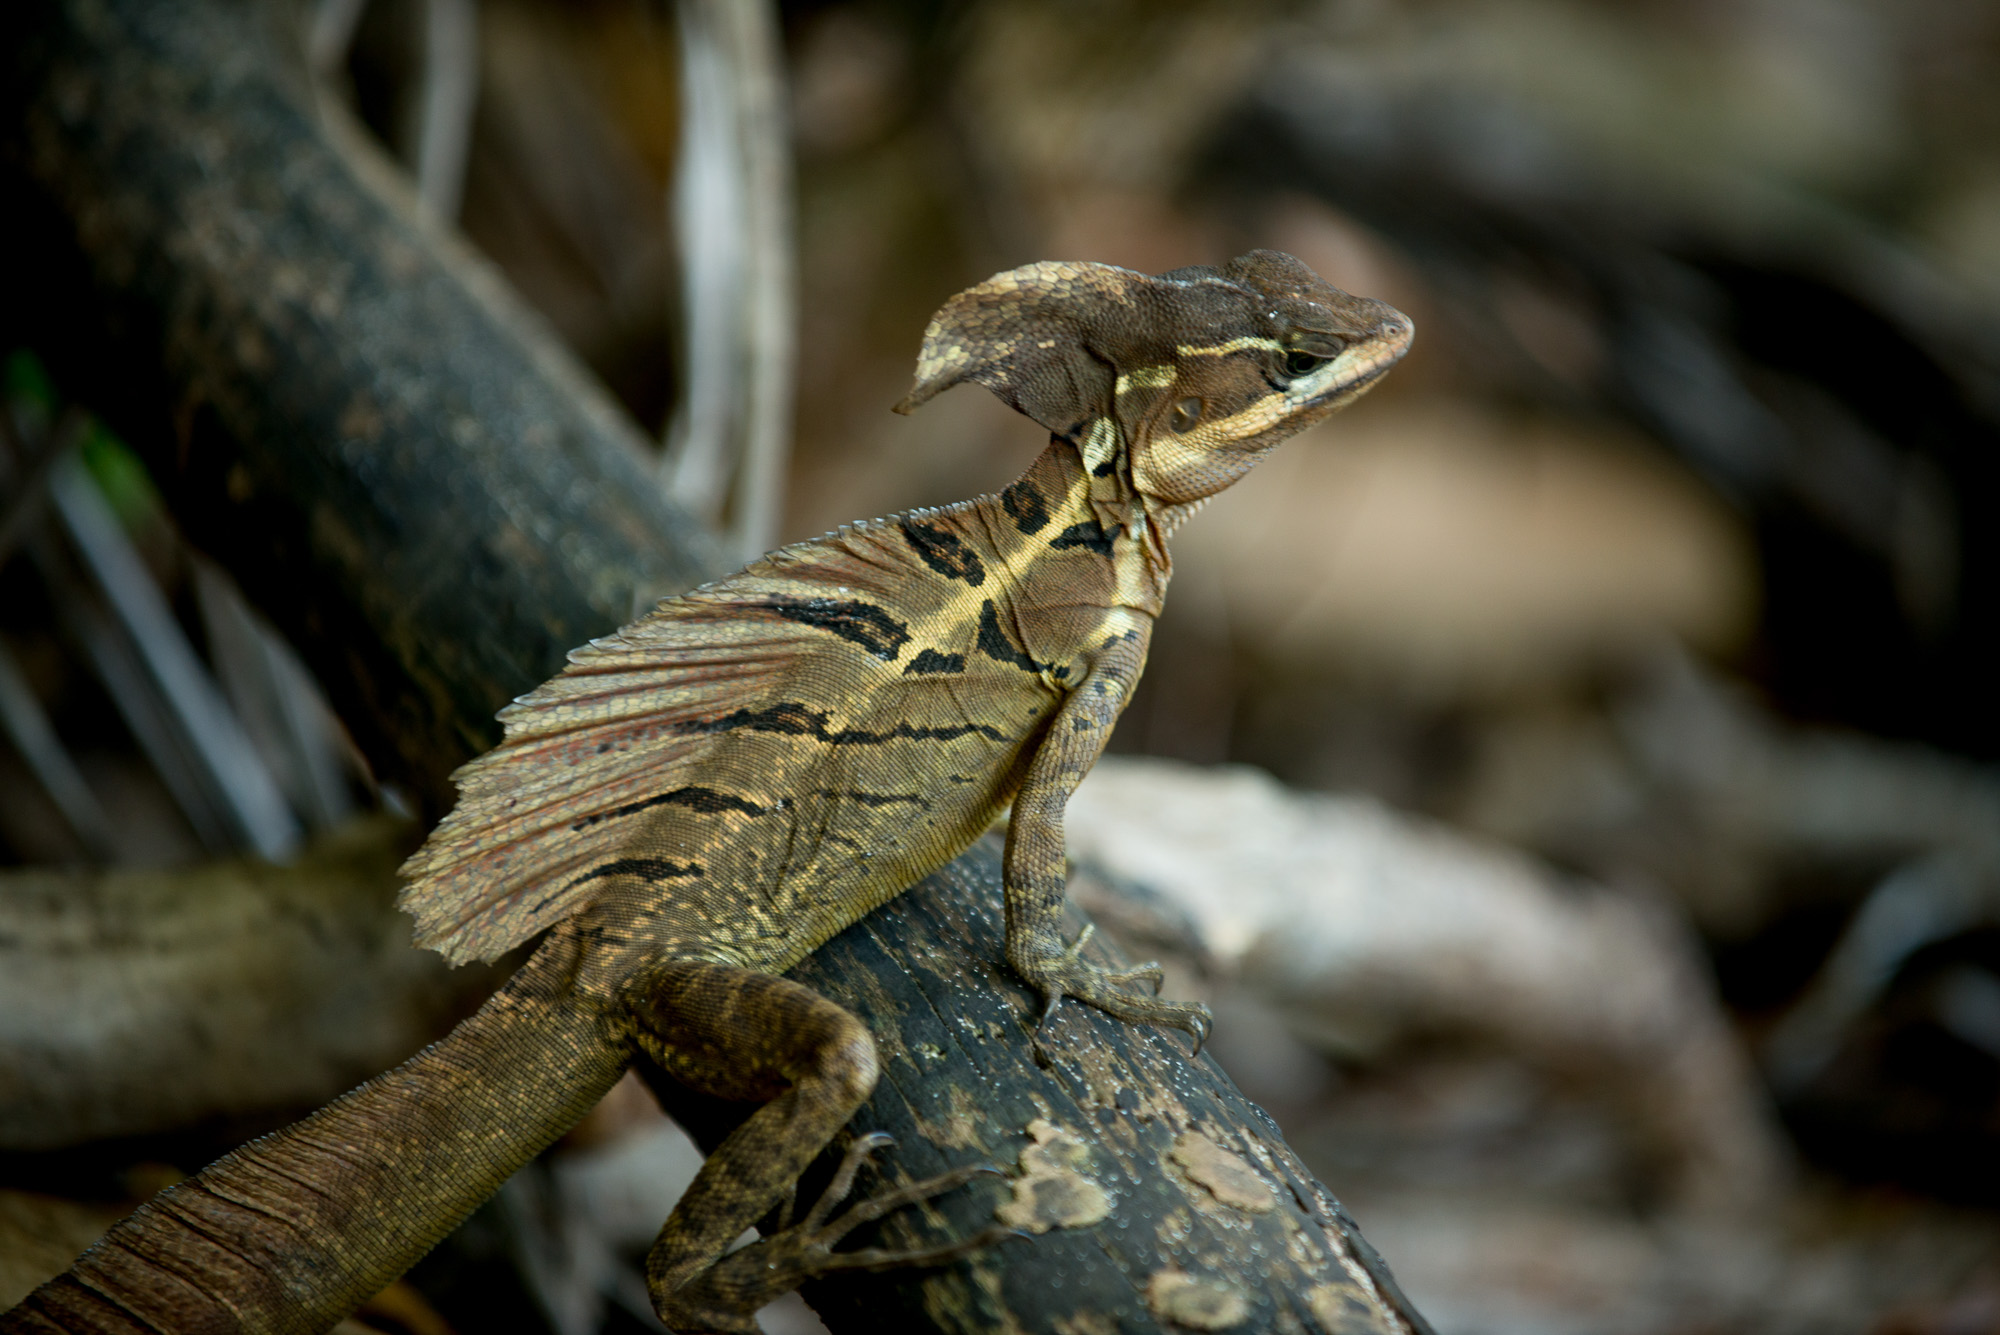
(1356, 369)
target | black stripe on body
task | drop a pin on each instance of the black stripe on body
(874, 799)
(1026, 507)
(788, 717)
(653, 870)
(944, 551)
(1089, 535)
(650, 869)
(852, 620)
(792, 719)
(993, 642)
(931, 661)
(904, 732)
(695, 798)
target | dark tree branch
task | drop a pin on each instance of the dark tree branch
(321, 382)
(136, 1003)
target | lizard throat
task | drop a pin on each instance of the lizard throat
(1139, 549)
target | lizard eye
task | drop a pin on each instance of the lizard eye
(1303, 363)
(1186, 413)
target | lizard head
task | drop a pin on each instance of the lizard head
(1186, 379)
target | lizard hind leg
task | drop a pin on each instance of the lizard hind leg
(738, 1034)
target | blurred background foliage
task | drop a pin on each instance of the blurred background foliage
(1669, 556)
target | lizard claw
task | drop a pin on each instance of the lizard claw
(1067, 974)
(860, 1152)
(748, 1277)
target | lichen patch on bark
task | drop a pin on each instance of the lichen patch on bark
(1052, 1192)
(1338, 1310)
(1203, 1304)
(1228, 1177)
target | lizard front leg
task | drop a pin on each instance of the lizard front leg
(1036, 875)
(743, 1035)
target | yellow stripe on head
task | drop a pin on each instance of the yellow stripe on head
(1241, 344)
(1146, 377)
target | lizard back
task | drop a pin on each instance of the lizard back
(755, 764)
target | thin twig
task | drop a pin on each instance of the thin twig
(115, 661)
(450, 93)
(27, 467)
(732, 208)
(27, 727)
(281, 707)
(250, 796)
(331, 34)
(708, 213)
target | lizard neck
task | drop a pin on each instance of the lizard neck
(1133, 521)
(1074, 491)
(1116, 498)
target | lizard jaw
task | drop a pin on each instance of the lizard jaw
(1355, 371)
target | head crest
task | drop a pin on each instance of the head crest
(1047, 338)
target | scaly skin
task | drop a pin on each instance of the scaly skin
(702, 799)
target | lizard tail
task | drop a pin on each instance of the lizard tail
(291, 1232)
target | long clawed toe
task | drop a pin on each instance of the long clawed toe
(826, 1234)
(879, 1258)
(875, 1207)
(860, 1152)
(1192, 1020)
(726, 1293)
(1068, 975)
(1149, 972)
(817, 1234)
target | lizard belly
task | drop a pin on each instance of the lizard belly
(794, 835)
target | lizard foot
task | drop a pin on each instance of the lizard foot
(1070, 975)
(723, 1297)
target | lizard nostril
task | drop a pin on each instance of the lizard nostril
(1186, 413)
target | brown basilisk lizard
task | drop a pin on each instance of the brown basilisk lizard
(701, 799)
